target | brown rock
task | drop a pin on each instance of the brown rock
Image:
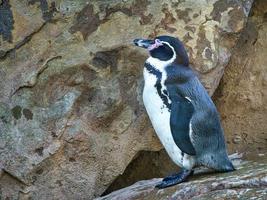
(241, 97)
(71, 112)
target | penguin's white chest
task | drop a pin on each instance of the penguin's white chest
(159, 115)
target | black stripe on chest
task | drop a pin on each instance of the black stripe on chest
(162, 93)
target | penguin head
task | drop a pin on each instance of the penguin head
(165, 48)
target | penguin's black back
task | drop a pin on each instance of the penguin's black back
(207, 136)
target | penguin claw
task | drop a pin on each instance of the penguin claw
(174, 179)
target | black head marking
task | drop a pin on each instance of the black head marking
(164, 52)
(181, 54)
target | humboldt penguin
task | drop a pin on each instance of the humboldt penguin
(181, 111)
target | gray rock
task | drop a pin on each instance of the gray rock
(249, 181)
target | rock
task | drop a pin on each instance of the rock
(240, 98)
(242, 95)
(71, 112)
(249, 181)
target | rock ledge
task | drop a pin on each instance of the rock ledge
(249, 181)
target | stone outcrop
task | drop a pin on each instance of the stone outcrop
(249, 181)
(71, 113)
(242, 95)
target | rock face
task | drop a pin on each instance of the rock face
(248, 182)
(242, 96)
(71, 114)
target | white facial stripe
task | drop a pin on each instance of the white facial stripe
(167, 43)
(159, 64)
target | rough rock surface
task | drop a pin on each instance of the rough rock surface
(249, 181)
(242, 96)
(71, 114)
(241, 99)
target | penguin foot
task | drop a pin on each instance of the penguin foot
(170, 177)
(175, 179)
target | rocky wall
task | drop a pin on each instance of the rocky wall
(71, 112)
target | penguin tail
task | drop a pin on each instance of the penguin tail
(227, 166)
(218, 162)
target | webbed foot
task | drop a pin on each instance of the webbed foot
(175, 179)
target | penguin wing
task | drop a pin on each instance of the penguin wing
(181, 113)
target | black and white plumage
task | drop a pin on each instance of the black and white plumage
(181, 111)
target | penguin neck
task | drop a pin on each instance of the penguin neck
(160, 64)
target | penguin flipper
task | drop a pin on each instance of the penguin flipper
(181, 113)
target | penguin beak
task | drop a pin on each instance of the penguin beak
(143, 43)
(148, 44)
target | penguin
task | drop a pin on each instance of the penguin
(182, 113)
